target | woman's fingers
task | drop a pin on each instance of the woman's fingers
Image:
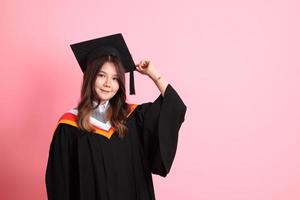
(143, 65)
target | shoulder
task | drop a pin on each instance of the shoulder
(67, 125)
(69, 117)
(131, 108)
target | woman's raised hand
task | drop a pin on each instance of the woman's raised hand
(145, 67)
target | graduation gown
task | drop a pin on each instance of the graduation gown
(101, 166)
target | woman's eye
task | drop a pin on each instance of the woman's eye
(101, 75)
(115, 78)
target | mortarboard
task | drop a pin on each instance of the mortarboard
(109, 45)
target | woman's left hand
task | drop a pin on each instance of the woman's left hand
(145, 67)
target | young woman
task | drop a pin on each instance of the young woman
(106, 149)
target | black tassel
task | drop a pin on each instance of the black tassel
(131, 83)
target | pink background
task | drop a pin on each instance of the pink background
(236, 64)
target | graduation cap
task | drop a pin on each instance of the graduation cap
(113, 45)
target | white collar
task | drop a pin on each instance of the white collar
(105, 126)
(102, 107)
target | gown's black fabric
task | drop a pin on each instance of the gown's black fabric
(88, 166)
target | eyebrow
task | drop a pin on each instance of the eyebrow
(106, 73)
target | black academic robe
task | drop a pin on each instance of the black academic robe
(93, 166)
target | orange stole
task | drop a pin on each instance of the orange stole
(71, 119)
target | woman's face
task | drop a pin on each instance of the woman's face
(106, 84)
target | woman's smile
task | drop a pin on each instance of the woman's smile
(104, 91)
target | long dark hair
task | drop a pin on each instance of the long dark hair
(118, 109)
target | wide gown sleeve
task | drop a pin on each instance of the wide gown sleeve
(60, 173)
(160, 122)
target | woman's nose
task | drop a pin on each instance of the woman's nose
(107, 82)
